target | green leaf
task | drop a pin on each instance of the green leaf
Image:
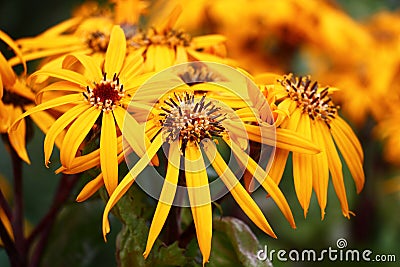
(234, 244)
(135, 210)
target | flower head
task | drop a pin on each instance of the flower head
(310, 111)
(99, 96)
(190, 127)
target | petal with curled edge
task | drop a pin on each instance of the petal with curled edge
(76, 134)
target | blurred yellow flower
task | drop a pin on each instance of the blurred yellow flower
(311, 112)
(15, 98)
(87, 32)
(163, 45)
(187, 122)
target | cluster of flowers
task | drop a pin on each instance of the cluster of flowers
(94, 63)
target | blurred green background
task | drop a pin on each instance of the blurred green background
(77, 239)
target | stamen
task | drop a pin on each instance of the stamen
(188, 120)
(318, 105)
(106, 94)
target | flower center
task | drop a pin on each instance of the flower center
(197, 72)
(106, 94)
(171, 38)
(189, 120)
(98, 41)
(316, 103)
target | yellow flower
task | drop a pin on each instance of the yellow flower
(311, 112)
(164, 46)
(99, 97)
(15, 98)
(186, 124)
(388, 130)
(87, 32)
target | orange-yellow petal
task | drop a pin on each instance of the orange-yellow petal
(166, 197)
(127, 181)
(90, 188)
(76, 134)
(59, 125)
(108, 152)
(303, 168)
(238, 192)
(116, 50)
(199, 198)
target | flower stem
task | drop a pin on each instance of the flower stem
(17, 221)
(4, 206)
(9, 246)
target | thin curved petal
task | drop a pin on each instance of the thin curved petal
(320, 169)
(90, 188)
(17, 138)
(62, 100)
(238, 192)
(335, 168)
(302, 167)
(199, 198)
(133, 65)
(348, 149)
(108, 152)
(58, 86)
(67, 75)
(6, 72)
(264, 179)
(93, 71)
(166, 197)
(116, 50)
(58, 126)
(278, 165)
(76, 134)
(11, 43)
(348, 132)
(125, 184)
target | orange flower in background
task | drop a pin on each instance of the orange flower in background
(311, 112)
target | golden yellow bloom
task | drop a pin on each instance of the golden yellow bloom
(87, 32)
(99, 97)
(311, 112)
(164, 46)
(185, 123)
(388, 130)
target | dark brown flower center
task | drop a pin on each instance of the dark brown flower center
(98, 41)
(184, 118)
(171, 38)
(316, 103)
(106, 94)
